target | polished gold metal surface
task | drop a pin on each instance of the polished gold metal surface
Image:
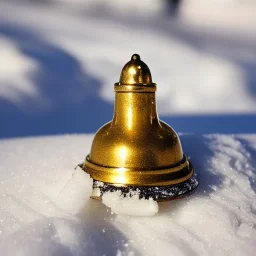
(136, 148)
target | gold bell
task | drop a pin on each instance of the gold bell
(136, 151)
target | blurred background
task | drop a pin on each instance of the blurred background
(59, 60)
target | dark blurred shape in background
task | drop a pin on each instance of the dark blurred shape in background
(173, 7)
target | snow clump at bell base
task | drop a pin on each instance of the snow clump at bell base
(129, 205)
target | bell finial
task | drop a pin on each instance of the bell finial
(135, 72)
(135, 56)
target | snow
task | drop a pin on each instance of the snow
(46, 205)
(59, 62)
(130, 205)
(233, 17)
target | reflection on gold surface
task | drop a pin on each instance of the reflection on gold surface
(123, 154)
(121, 177)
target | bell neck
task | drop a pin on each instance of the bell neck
(135, 111)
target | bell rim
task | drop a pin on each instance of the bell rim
(168, 175)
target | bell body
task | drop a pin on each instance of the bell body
(136, 148)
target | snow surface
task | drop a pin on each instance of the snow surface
(46, 210)
(58, 64)
(131, 205)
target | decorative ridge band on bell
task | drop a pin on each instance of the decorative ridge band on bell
(136, 150)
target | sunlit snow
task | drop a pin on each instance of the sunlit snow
(46, 205)
(130, 205)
